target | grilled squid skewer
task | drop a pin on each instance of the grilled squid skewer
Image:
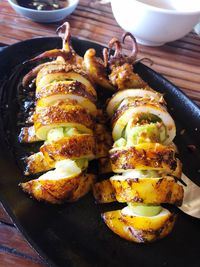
(143, 155)
(64, 119)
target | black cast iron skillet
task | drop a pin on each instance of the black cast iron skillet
(74, 235)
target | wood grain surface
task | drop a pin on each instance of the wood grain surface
(178, 61)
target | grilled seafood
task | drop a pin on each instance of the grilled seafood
(96, 69)
(143, 156)
(66, 183)
(139, 229)
(64, 119)
(121, 66)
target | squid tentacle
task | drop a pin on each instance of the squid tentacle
(118, 50)
(31, 75)
(134, 52)
(133, 55)
(52, 54)
(64, 32)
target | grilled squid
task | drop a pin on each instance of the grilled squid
(65, 121)
(143, 156)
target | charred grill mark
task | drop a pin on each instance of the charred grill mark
(158, 191)
(43, 195)
(70, 147)
(126, 166)
(135, 102)
(137, 234)
(138, 199)
(143, 156)
(155, 157)
(114, 157)
(77, 148)
(159, 182)
(64, 194)
(170, 220)
(168, 196)
(64, 68)
(72, 114)
(155, 234)
(118, 113)
(142, 234)
(131, 181)
(173, 165)
(75, 88)
(113, 195)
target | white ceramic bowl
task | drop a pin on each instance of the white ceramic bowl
(45, 16)
(155, 22)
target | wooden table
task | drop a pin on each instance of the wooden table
(178, 61)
